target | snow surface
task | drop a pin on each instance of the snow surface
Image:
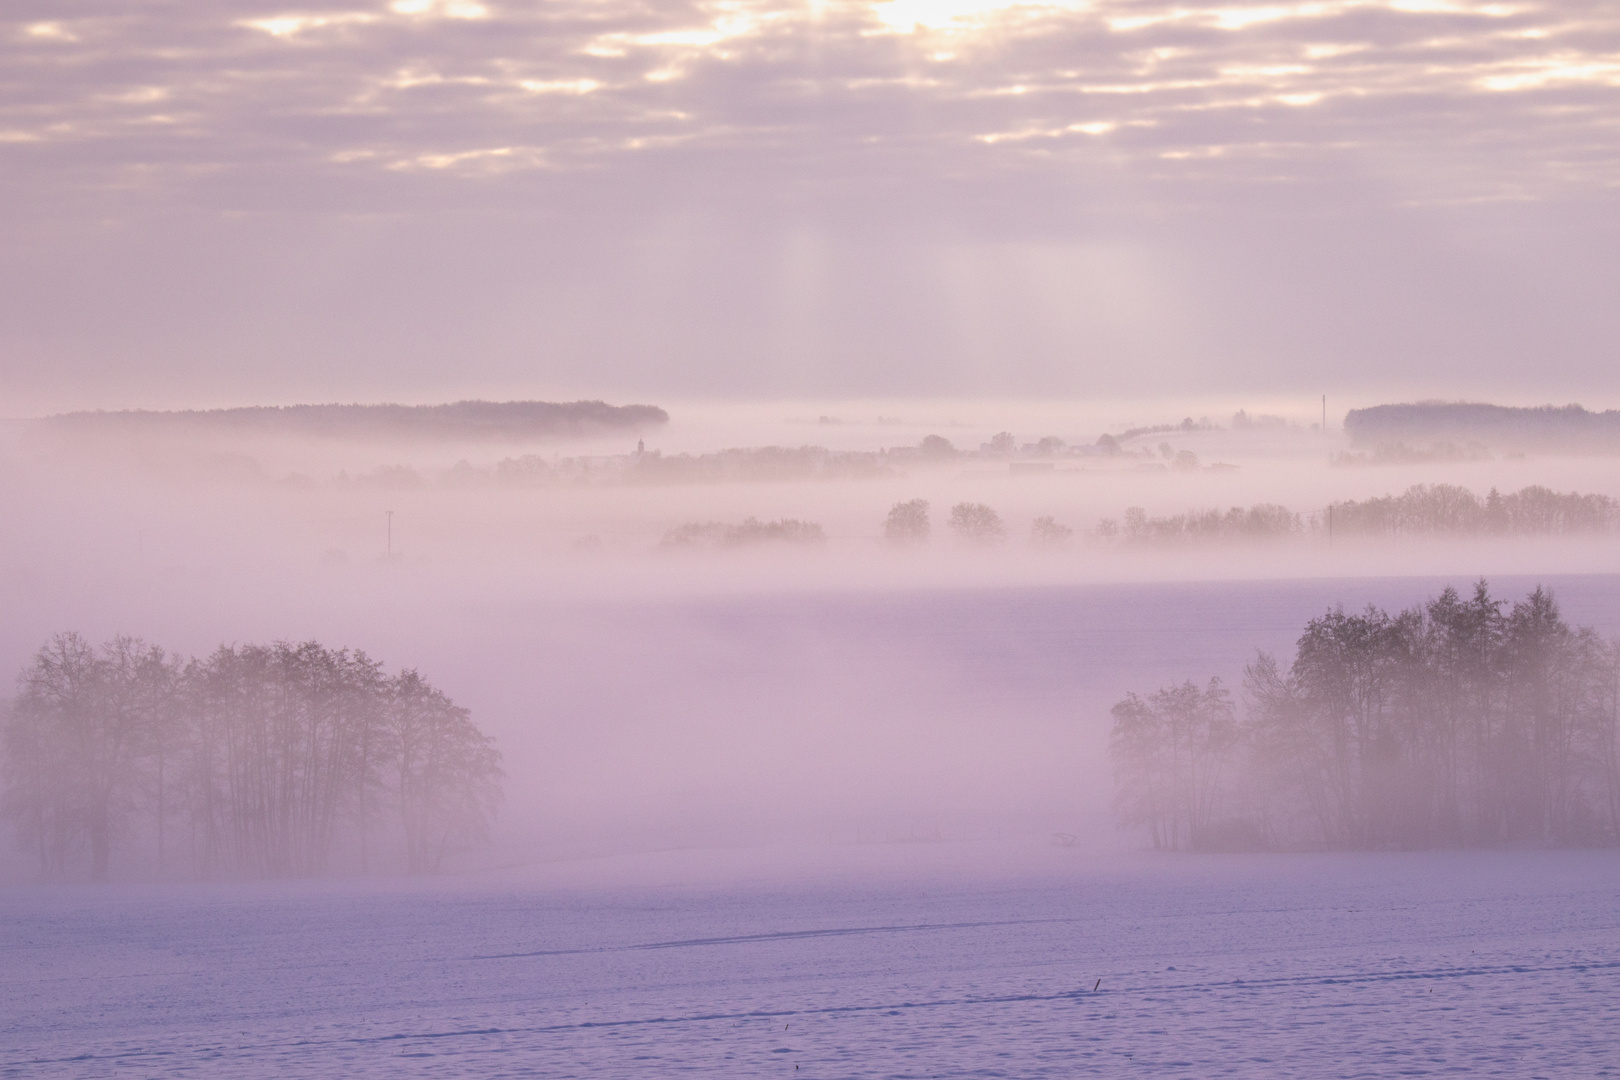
(879, 961)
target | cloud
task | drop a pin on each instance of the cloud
(559, 164)
(587, 83)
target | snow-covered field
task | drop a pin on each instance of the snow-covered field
(885, 961)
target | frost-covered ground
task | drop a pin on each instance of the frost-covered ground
(874, 961)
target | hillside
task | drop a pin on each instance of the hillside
(493, 420)
(1544, 427)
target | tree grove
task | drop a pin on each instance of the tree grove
(260, 760)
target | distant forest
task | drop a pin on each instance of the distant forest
(1461, 722)
(1422, 510)
(764, 463)
(1260, 521)
(749, 531)
(1545, 427)
(492, 420)
(1445, 509)
(284, 760)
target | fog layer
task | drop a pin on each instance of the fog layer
(852, 690)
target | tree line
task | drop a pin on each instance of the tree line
(501, 420)
(259, 760)
(748, 531)
(1464, 721)
(1446, 509)
(1260, 521)
(1569, 427)
(1422, 510)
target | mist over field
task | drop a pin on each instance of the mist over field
(650, 688)
(842, 538)
(769, 793)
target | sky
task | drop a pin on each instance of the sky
(218, 204)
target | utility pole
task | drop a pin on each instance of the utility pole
(390, 534)
(1324, 414)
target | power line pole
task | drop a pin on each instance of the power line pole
(390, 534)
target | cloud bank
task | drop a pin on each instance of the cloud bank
(830, 197)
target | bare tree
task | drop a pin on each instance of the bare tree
(907, 522)
(73, 742)
(1169, 751)
(48, 786)
(448, 772)
(156, 682)
(1049, 532)
(977, 523)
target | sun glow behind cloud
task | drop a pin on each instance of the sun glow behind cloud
(1567, 69)
(50, 31)
(440, 9)
(907, 16)
(292, 24)
(286, 26)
